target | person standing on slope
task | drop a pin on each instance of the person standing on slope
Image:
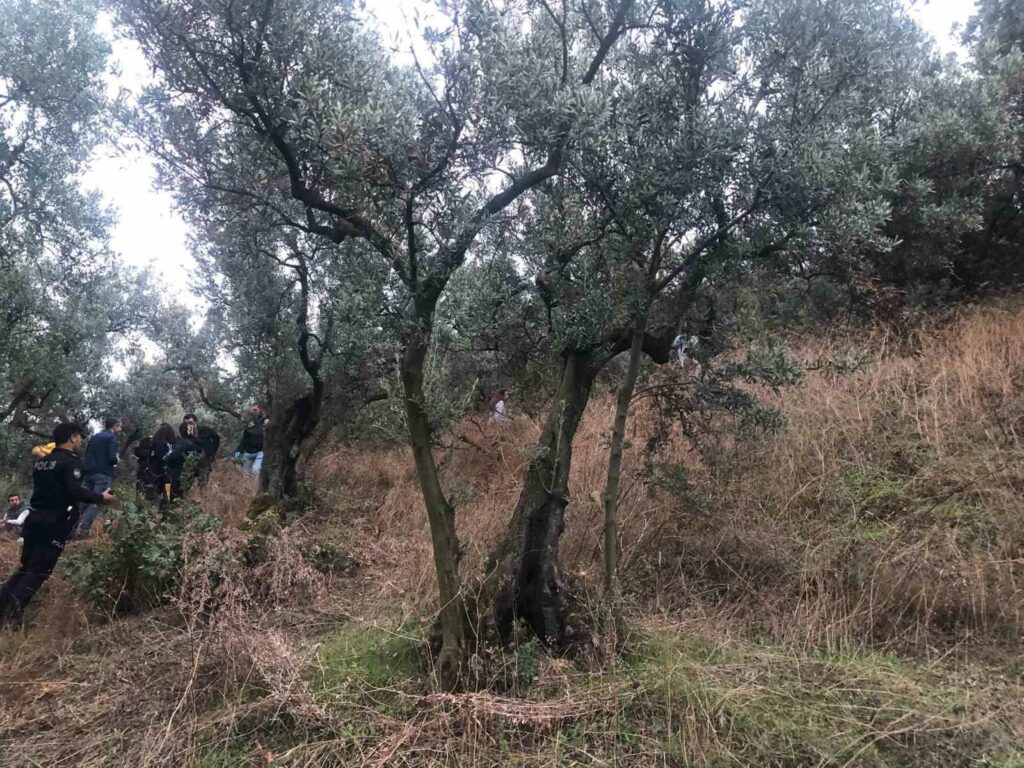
(160, 449)
(57, 491)
(184, 462)
(250, 448)
(209, 443)
(101, 460)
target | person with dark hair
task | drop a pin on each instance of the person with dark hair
(162, 445)
(16, 513)
(250, 447)
(209, 442)
(183, 462)
(499, 406)
(56, 492)
(143, 475)
(101, 459)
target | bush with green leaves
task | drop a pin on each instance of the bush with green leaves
(723, 400)
(138, 567)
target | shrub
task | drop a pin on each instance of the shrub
(139, 566)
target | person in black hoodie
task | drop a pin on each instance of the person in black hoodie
(209, 442)
(57, 492)
(183, 461)
(151, 474)
(160, 449)
(143, 476)
(250, 448)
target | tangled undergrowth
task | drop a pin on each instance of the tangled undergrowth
(847, 592)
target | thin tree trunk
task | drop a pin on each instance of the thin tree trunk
(525, 576)
(611, 614)
(453, 618)
(291, 426)
(611, 490)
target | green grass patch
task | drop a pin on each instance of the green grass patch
(676, 700)
(1011, 759)
(715, 703)
(361, 657)
(879, 495)
(973, 524)
(227, 754)
(869, 531)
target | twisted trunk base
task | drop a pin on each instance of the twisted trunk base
(524, 580)
(284, 439)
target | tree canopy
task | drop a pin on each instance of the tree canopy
(68, 304)
(520, 194)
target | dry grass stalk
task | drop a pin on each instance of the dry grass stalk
(937, 428)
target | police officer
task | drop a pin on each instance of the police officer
(57, 491)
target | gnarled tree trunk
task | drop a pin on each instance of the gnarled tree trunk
(454, 623)
(525, 576)
(291, 425)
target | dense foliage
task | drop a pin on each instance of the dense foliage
(68, 304)
(139, 566)
(521, 194)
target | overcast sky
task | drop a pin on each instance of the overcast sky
(149, 234)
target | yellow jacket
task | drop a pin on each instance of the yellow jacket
(43, 450)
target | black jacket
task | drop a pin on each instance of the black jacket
(156, 459)
(252, 436)
(57, 487)
(208, 441)
(186, 453)
(141, 451)
(180, 453)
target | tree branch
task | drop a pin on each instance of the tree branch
(528, 180)
(203, 396)
(702, 246)
(19, 396)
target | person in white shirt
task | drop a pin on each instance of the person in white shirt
(499, 406)
(17, 511)
(688, 363)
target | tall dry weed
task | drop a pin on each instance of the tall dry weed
(887, 509)
(234, 586)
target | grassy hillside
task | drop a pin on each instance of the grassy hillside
(848, 592)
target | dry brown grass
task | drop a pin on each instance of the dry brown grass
(886, 516)
(900, 489)
(227, 495)
(888, 509)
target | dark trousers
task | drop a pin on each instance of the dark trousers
(204, 471)
(44, 541)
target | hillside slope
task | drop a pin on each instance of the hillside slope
(847, 592)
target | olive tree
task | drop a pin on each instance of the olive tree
(300, 319)
(742, 137)
(414, 160)
(67, 303)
